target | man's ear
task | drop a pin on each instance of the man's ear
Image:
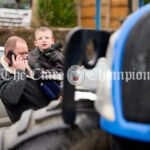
(35, 43)
(6, 52)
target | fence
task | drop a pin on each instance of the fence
(112, 13)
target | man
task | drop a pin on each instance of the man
(18, 90)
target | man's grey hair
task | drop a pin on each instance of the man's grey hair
(11, 43)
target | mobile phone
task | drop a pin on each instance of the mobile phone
(9, 56)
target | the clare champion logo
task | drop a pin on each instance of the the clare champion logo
(75, 75)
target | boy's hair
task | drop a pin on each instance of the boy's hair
(11, 43)
(43, 29)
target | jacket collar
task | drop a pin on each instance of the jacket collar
(11, 70)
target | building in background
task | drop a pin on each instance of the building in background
(19, 13)
(15, 13)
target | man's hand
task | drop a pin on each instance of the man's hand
(19, 63)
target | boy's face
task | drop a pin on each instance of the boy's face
(44, 40)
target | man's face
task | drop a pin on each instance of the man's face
(44, 40)
(21, 49)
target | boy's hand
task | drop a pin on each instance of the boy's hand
(19, 63)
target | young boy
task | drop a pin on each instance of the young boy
(50, 63)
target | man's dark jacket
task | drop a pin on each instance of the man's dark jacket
(19, 92)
